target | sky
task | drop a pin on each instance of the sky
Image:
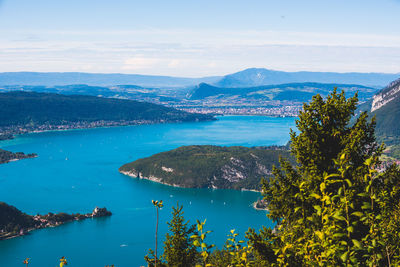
(193, 38)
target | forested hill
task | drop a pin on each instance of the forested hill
(208, 166)
(288, 91)
(30, 109)
(7, 156)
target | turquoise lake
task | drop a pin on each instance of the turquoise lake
(77, 170)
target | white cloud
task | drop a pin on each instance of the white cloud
(174, 63)
(139, 63)
(200, 53)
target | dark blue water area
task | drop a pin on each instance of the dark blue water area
(77, 170)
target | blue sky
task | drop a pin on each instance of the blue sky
(199, 38)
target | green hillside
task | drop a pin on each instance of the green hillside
(28, 108)
(208, 166)
(6, 156)
(299, 92)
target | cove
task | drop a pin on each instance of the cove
(78, 170)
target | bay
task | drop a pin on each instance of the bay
(77, 170)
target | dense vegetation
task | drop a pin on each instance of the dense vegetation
(14, 222)
(331, 209)
(12, 219)
(6, 156)
(25, 108)
(209, 166)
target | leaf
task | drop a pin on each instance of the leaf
(349, 183)
(357, 243)
(320, 235)
(339, 217)
(322, 187)
(196, 243)
(318, 209)
(315, 196)
(338, 235)
(366, 206)
(345, 256)
(357, 213)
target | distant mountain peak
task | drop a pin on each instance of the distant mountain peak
(260, 76)
(386, 95)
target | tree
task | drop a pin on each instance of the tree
(331, 209)
(157, 204)
(179, 250)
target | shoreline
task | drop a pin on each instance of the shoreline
(46, 221)
(16, 159)
(158, 180)
(254, 205)
(57, 128)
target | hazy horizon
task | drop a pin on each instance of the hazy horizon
(192, 39)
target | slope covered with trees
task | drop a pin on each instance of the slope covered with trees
(208, 166)
(300, 92)
(27, 111)
(6, 156)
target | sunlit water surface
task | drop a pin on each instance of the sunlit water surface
(78, 170)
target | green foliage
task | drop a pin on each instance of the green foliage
(178, 247)
(199, 241)
(6, 156)
(206, 166)
(12, 219)
(179, 251)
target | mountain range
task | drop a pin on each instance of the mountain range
(97, 79)
(247, 78)
(260, 76)
(299, 92)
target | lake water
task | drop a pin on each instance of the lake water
(78, 170)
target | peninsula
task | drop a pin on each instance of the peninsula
(7, 156)
(23, 112)
(207, 166)
(14, 222)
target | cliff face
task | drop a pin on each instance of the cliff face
(386, 95)
(208, 166)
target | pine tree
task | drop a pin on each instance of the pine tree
(179, 250)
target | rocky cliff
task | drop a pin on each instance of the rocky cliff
(386, 95)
